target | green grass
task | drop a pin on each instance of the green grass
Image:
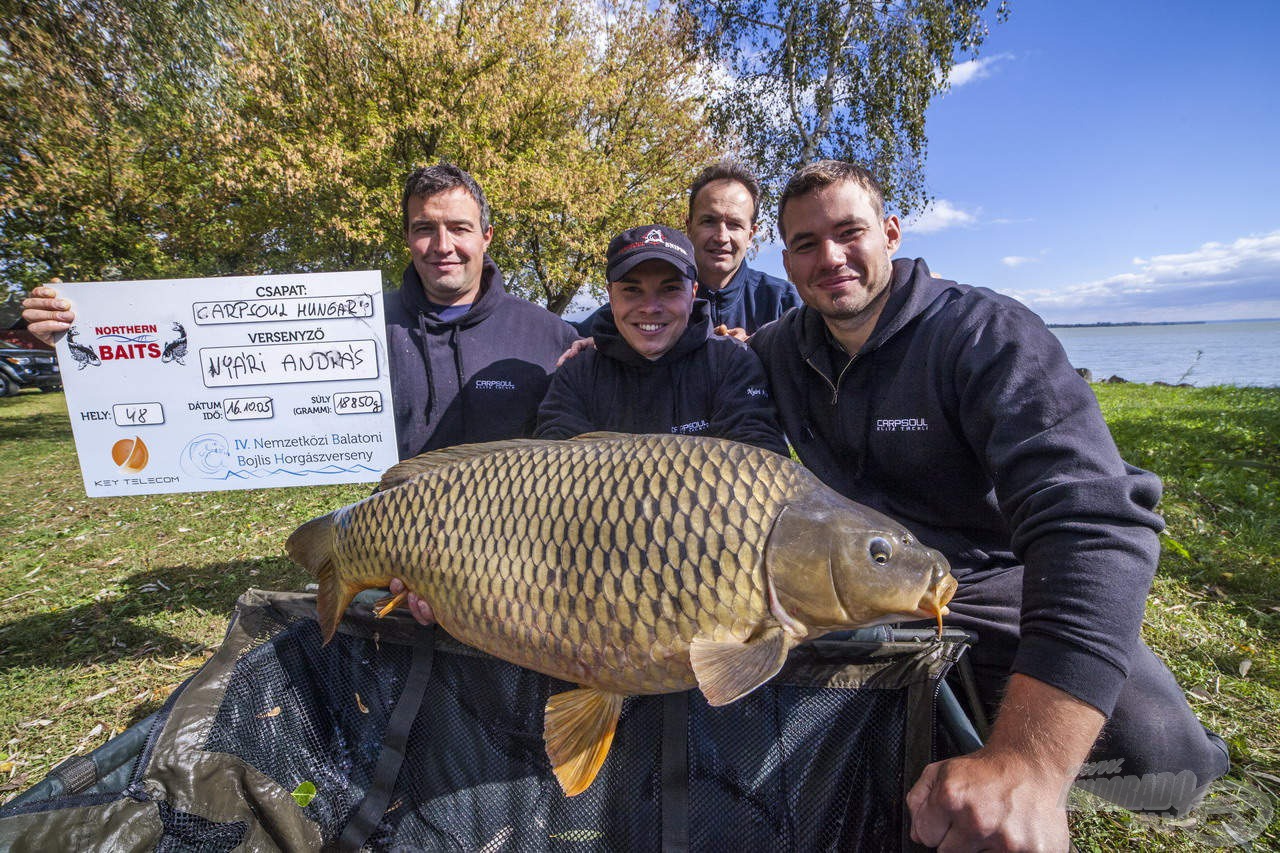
(107, 604)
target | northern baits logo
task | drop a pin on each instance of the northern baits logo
(128, 343)
(655, 236)
(130, 454)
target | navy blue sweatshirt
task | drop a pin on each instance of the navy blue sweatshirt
(748, 301)
(704, 385)
(479, 377)
(962, 418)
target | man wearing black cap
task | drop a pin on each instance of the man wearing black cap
(656, 367)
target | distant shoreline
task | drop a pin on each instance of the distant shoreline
(1107, 325)
(1131, 323)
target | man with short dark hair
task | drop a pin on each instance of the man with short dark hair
(724, 209)
(656, 366)
(469, 361)
(955, 410)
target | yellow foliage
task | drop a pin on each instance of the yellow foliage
(575, 120)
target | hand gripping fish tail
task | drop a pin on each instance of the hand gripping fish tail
(625, 564)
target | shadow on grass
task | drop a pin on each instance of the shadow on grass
(111, 630)
(20, 420)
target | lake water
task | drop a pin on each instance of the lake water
(1245, 353)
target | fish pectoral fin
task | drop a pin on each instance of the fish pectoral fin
(387, 603)
(730, 670)
(578, 729)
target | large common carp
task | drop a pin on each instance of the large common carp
(626, 564)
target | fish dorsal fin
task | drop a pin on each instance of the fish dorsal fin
(578, 730)
(433, 459)
(730, 670)
(604, 436)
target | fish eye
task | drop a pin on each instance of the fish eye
(880, 550)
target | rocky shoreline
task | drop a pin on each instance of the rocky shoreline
(1087, 374)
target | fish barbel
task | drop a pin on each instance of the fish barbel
(627, 564)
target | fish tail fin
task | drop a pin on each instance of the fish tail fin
(578, 729)
(311, 546)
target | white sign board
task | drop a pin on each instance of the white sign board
(246, 382)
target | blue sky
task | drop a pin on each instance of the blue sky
(1111, 161)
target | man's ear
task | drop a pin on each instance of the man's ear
(892, 233)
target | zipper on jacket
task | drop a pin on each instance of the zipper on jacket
(834, 386)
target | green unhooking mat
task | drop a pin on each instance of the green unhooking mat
(397, 737)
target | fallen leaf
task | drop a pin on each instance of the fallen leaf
(95, 697)
(578, 835)
(266, 715)
(361, 705)
(304, 794)
(1245, 666)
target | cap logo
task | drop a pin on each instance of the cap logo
(654, 236)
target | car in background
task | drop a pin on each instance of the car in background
(28, 368)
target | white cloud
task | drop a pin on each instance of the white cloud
(939, 216)
(1237, 279)
(974, 69)
(1016, 261)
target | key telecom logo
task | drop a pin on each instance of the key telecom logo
(130, 454)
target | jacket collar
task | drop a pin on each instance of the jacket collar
(732, 290)
(414, 298)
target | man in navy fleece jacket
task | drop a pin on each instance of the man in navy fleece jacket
(724, 209)
(954, 410)
(469, 362)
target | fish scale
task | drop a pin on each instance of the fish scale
(628, 564)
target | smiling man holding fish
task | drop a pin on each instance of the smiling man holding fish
(955, 411)
(656, 366)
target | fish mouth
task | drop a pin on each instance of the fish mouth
(933, 604)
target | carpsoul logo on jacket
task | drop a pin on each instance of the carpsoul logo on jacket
(691, 428)
(495, 385)
(901, 424)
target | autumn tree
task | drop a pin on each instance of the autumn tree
(841, 79)
(279, 140)
(102, 104)
(578, 121)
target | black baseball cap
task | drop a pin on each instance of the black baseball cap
(647, 242)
